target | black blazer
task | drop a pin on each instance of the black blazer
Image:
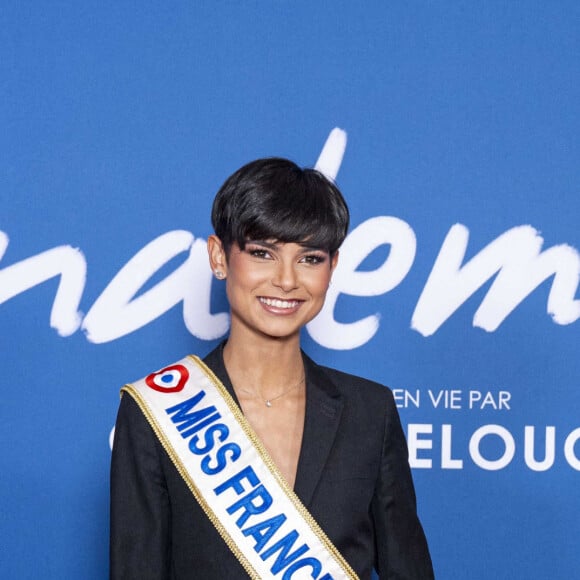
(353, 476)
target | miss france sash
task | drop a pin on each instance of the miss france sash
(232, 477)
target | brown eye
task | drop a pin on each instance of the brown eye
(314, 259)
(258, 253)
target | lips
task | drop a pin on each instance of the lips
(280, 306)
(278, 303)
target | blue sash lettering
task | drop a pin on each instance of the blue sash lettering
(189, 423)
(209, 439)
(264, 501)
(181, 411)
(284, 546)
(202, 424)
(253, 499)
(235, 481)
(264, 531)
(231, 449)
(312, 562)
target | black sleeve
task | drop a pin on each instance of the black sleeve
(140, 516)
(401, 547)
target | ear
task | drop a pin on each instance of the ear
(217, 256)
(334, 262)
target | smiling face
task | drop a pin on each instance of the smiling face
(274, 289)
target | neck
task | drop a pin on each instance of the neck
(263, 366)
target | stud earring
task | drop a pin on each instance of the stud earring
(219, 274)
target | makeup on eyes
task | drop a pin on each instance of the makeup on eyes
(308, 254)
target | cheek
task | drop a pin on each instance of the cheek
(319, 284)
(242, 279)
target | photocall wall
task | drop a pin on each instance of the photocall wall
(452, 130)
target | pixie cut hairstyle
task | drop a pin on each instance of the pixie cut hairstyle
(274, 199)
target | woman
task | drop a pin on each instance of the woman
(332, 438)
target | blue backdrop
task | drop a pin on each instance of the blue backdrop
(458, 153)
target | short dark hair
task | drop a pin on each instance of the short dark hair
(275, 199)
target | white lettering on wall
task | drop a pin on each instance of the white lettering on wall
(423, 439)
(521, 267)
(64, 261)
(514, 258)
(549, 449)
(330, 158)
(117, 311)
(492, 464)
(346, 279)
(446, 460)
(415, 443)
(571, 441)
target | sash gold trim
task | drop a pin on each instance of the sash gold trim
(130, 390)
(263, 454)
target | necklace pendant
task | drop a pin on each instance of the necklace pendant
(268, 403)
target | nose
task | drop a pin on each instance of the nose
(285, 276)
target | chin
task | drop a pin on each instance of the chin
(280, 333)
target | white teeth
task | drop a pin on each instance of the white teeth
(278, 303)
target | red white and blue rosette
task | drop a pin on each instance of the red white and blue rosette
(171, 379)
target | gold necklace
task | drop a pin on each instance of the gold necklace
(268, 402)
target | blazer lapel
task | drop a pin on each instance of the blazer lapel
(323, 410)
